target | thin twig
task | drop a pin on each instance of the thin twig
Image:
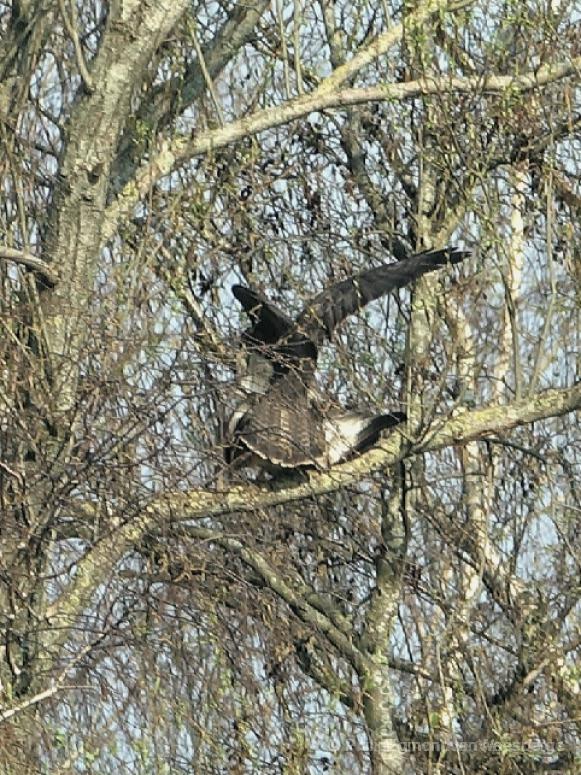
(297, 19)
(206, 74)
(8, 714)
(284, 49)
(542, 346)
(71, 29)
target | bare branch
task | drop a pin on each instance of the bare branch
(198, 504)
(323, 98)
(30, 261)
(6, 715)
(205, 72)
(71, 29)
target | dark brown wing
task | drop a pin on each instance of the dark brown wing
(333, 305)
(280, 426)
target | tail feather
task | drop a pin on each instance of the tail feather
(349, 433)
(369, 435)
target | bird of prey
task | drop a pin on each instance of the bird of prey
(281, 421)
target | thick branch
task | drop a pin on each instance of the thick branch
(74, 238)
(99, 562)
(325, 95)
(183, 148)
(385, 42)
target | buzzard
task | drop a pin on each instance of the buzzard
(281, 421)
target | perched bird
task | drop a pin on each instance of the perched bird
(281, 421)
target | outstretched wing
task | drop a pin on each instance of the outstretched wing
(333, 305)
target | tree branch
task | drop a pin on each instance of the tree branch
(100, 560)
(32, 262)
(325, 95)
(72, 31)
(296, 601)
(181, 149)
(170, 98)
(94, 126)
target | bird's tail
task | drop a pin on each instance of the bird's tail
(351, 433)
(369, 435)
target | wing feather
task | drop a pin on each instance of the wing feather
(342, 299)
